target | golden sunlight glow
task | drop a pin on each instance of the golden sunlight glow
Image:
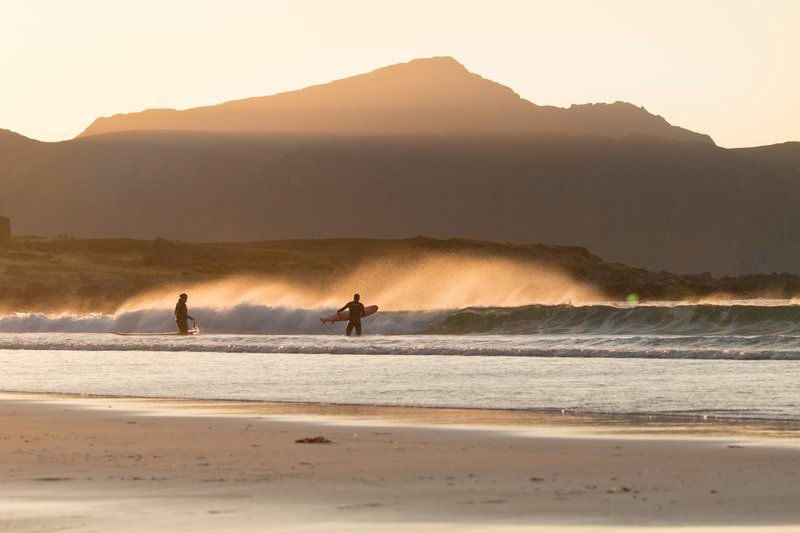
(436, 283)
(720, 67)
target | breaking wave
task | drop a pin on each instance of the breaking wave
(243, 319)
(704, 319)
(754, 332)
(252, 319)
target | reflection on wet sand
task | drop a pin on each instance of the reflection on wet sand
(541, 422)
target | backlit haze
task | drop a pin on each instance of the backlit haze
(430, 284)
(719, 67)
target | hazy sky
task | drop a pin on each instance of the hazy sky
(728, 68)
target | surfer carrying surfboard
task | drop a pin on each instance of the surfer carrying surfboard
(356, 309)
(182, 314)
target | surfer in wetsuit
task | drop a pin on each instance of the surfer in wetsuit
(182, 314)
(356, 312)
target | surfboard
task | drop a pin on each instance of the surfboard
(193, 331)
(345, 315)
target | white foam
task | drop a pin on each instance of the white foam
(241, 319)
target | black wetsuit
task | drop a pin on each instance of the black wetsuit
(182, 317)
(356, 312)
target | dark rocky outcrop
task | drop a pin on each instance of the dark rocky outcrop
(5, 232)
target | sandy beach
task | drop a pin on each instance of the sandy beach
(94, 464)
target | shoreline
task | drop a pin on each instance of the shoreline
(558, 422)
(113, 464)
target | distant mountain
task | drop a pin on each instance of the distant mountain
(641, 200)
(787, 153)
(422, 148)
(425, 96)
(14, 146)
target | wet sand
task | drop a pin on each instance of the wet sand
(89, 464)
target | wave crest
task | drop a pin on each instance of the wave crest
(705, 319)
(247, 318)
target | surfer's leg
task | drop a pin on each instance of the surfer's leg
(349, 328)
(358, 328)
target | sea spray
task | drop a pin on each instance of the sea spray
(442, 281)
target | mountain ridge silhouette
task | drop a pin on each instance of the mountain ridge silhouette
(423, 96)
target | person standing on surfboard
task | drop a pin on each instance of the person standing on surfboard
(356, 312)
(182, 314)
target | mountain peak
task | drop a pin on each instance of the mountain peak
(435, 95)
(437, 61)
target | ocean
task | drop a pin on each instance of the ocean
(734, 361)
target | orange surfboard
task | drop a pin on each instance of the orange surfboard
(345, 315)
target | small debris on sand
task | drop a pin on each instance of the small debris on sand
(313, 440)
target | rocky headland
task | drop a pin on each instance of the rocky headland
(64, 274)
